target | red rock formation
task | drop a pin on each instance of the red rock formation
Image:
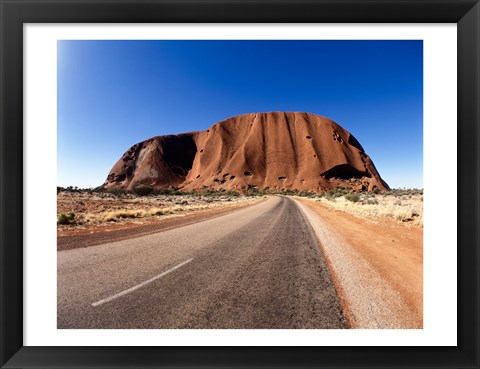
(297, 151)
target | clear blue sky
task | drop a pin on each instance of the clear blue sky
(113, 94)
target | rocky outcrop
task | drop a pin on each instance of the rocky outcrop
(297, 151)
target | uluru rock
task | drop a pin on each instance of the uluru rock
(275, 151)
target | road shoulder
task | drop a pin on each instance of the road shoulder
(378, 266)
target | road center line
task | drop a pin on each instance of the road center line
(131, 289)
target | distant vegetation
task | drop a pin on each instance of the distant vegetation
(143, 190)
(146, 190)
(353, 197)
(98, 205)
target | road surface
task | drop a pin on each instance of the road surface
(256, 267)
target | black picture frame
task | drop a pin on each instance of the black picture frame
(15, 13)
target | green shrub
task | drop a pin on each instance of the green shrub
(232, 193)
(304, 193)
(117, 191)
(353, 197)
(142, 190)
(403, 192)
(70, 216)
(169, 191)
(63, 219)
(99, 189)
(336, 192)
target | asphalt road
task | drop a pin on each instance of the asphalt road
(256, 267)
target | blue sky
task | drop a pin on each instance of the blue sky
(113, 94)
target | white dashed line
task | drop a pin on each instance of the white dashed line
(131, 289)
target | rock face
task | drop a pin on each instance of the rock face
(296, 151)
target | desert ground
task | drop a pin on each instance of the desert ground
(91, 209)
(338, 259)
(375, 253)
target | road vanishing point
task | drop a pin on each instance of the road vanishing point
(258, 267)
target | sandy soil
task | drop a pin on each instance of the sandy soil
(378, 265)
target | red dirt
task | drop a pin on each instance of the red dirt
(394, 250)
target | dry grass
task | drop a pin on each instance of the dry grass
(404, 208)
(113, 216)
(97, 209)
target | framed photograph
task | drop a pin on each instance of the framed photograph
(226, 184)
